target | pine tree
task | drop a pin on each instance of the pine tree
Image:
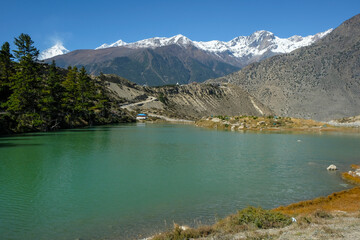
(37, 97)
(24, 102)
(6, 72)
(70, 97)
(26, 51)
(52, 97)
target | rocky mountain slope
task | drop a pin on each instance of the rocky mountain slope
(191, 101)
(321, 81)
(160, 61)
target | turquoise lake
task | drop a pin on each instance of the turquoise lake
(130, 181)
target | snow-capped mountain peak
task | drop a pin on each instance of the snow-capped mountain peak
(57, 49)
(154, 42)
(256, 44)
(179, 39)
(118, 43)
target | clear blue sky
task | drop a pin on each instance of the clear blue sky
(84, 24)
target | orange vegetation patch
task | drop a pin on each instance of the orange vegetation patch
(354, 166)
(350, 178)
(348, 201)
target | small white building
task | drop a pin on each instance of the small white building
(141, 116)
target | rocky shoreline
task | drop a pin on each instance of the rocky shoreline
(271, 123)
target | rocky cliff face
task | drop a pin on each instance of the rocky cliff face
(321, 81)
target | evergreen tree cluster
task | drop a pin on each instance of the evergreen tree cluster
(39, 97)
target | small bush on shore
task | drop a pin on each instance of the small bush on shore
(252, 217)
(248, 218)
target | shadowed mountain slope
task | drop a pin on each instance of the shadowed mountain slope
(164, 65)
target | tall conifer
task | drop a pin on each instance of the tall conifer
(52, 97)
(26, 81)
(6, 72)
(70, 97)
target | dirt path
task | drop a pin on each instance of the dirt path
(129, 106)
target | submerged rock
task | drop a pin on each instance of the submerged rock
(332, 167)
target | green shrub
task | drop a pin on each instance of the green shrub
(254, 217)
(250, 217)
(262, 218)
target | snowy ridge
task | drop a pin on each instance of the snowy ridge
(257, 43)
(57, 49)
(115, 44)
(151, 42)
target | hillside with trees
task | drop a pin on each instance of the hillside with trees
(41, 97)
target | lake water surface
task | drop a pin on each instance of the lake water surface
(130, 181)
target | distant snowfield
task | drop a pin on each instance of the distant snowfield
(257, 44)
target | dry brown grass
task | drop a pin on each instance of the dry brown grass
(350, 178)
(354, 166)
(347, 201)
(179, 234)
